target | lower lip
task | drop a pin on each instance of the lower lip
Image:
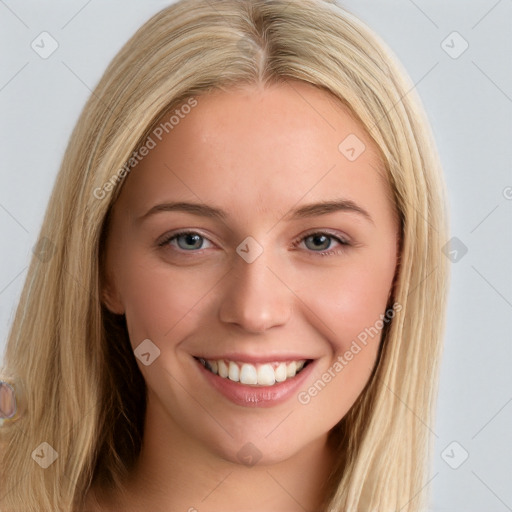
(257, 396)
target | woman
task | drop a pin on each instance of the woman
(237, 300)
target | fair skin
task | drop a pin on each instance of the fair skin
(257, 154)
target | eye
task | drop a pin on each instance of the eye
(185, 240)
(320, 242)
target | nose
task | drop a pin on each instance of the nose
(255, 298)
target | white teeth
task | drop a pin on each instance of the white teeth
(223, 368)
(248, 374)
(234, 372)
(291, 369)
(266, 374)
(280, 372)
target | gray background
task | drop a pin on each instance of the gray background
(468, 98)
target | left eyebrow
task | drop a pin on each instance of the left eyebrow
(326, 207)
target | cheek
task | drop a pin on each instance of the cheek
(348, 303)
(349, 316)
(160, 302)
(348, 300)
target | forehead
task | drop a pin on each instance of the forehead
(259, 148)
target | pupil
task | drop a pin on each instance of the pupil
(192, 239)
(320, 241)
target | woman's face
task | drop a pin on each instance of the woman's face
(289, 260)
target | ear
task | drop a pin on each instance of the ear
(111, 299)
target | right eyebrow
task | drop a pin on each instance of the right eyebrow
(193, 208)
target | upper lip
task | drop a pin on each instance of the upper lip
(254, 359)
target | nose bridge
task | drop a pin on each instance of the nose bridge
(255, 298)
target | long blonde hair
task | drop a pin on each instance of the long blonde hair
(77, 384)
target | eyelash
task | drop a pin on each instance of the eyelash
(344, 243)
(331, 252)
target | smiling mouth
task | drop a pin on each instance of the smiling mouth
(266, 374)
